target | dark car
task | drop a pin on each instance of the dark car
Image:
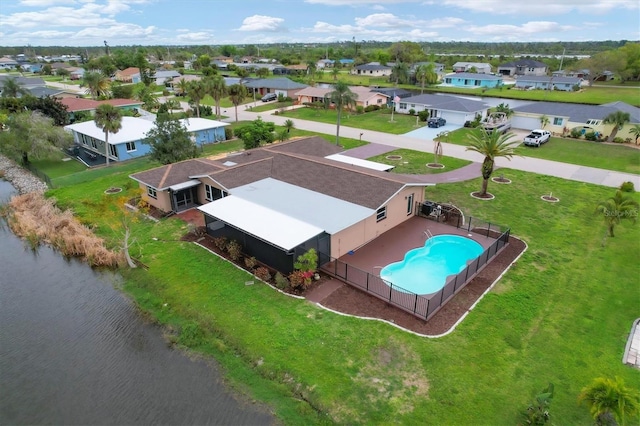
(269, 97)
(436, 122)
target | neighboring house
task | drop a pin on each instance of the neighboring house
(365, 96)
(455, 110)
(324, 63)
(224, 59)
(480, 67)
(77, 74)
(42, 92)
(523, 67)
(187, 77)
(7, 63)
(372, 70)
(392, 92)
(34, 68)
(26, 83)
(566, 116)
(437, 67)
(283, 199)
(566, 84)
(75, 105)
(162, 77)
(469, 79)
(128, 75)
(130, 143)
(345, 62)
(278, 86)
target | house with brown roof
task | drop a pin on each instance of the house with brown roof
(128, 75)
(364, 96)
(280, 200)
(75, 105)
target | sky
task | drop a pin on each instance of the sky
(238, 22)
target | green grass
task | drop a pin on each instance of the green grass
(379, 121)
(414, 162)
(560, 315)
(268, 106)
(56, 167)
(617, 157)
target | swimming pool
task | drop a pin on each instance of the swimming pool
(425, 269)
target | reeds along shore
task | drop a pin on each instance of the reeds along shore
(35, 218)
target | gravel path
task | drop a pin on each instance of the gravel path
(20, 178)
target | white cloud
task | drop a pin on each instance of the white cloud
(358, 2)
(541, 7)
(116, 32)
(195, 37)
(262, 23)
(529, 28)
(56, 17)
(43, 3)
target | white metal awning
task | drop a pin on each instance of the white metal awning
(184, 185)
(359, 162)
(266, 224)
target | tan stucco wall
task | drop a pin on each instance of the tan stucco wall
(163, 202)
(363, 232)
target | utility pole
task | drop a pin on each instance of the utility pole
(562, 59)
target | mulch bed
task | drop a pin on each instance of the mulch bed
(352, 301)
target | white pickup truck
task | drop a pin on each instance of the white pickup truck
(537, 137)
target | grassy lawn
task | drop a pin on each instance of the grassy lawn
(616, 157)
(560, 315)
(268, 106)
(379, 121)
(414, 162)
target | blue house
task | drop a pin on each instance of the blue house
(130, 141)
(472, 80)
(567, 84)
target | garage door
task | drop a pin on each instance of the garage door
(527, 123)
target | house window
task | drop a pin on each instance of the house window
(112, 151)
(403, 106)
(409, 204)
(381, 214)
(212, 193)
(593, 122)
(131, 146)
(151, 192)
(557, 121)
(379, 100)
(94, 144)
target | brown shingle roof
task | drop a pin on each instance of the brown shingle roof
(173, 174)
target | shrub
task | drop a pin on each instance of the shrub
(412, 111)
(424, 115)
(263, 273)
(591, 136)
(228, 133)
(220, 243)
(307, 261)
(165, 92)
(576, 133)
(618, 139)
(250, 262)
(298, 280)
(359, 109)
(281, 281)
(537, 412)
(627, 187)
(235, 250)
(371, 108)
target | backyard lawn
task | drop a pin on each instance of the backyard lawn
(415, 162)
(561, 315)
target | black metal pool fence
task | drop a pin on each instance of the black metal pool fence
(427, 305)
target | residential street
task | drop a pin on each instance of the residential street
(535, 165)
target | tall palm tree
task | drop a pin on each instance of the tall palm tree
(109, 119)
(197, 91)
(183, 86)
(217, 88)
(97, 83)
(342, 97)
(11, 88)
(237, 94)
(617, 208)
(491, 145)
(618, 119)
(421, 76)
(635, 131)
(335, 71)
(606, 397)
(400, 73)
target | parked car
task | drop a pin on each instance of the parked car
(269, 97)
(537, 137)
(436, 122)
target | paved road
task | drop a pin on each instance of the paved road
(535, 165)
(74, 88)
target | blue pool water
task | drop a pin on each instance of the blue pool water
(425, 269)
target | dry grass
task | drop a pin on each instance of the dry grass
(38, 220)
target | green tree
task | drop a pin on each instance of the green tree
(121, 91)
(635, 131)
(242, 73)
(145, 94)
(32, 135)
(49, 106)
(97, 83)
(109, 119)
(342, 97)
(197, 91)
(262, 72)
(504, 108)
(11, 88)
(217, 88)
(616, 208)
(618, 119)
(47, 70)
(335, 71)
(237, 94)
(63, 72)
(204, 61)
(170, 141)
(606, 397)
(537, 413)
(544, 121)
(425, 73)
(289, 124)
(256, 133)
(491, 145)
(400, 73)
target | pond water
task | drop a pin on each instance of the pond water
(75, 350)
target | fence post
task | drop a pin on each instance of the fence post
(488, 229)
(368, 274)
(415, 303)
(390, 290)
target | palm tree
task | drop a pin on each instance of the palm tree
(197, 91)
(400, 73)
(342, 97)
(97, 83)
(544, 121)
(237, 93)
(618, 119)
(335, 71)
(504, 108)
(491, 145)
(217, 88)
(109, 119)
(288, 125)
(11, 88)
(183, 86)
(606, 397)
(635, 131)
(616, 208)
(421, 76)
